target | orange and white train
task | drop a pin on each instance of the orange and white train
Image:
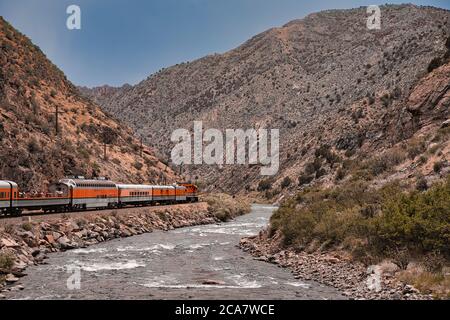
(77, 194)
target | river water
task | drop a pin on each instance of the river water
(201, 262)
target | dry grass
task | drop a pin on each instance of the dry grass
(226, 207)
(437, 284)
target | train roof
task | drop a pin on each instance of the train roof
(144, 186)
(7, 184)
(80, 182)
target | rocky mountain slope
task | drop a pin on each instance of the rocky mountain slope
(49, 131)
(347, 100)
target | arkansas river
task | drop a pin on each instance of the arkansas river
(201, 262)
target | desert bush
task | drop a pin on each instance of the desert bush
(85, 153)
(434, 262)
(340, 174)
(423, 159)
(388, 221)
(313, 167)
(400, 256)
(421, 184)
(379, 164)
(437, 167)
(27, 226)
(415, 149)
(138, 165)
(328, 215)
(9, 228)
(416, 220)
(286, 182)
(6, 261)
(225, 207)
(33, 145)
(265, 184)
(305, 179)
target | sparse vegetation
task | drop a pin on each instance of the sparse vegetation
(138, 165)
(437, 167)
(6, 261)
(33, 145)
(286, 182)
(421, 184)
(265, 184)
(27, 226)
(225, 207)
(385, 220)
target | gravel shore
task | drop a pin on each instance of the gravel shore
(353, 279)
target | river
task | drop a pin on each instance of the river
(201, 262)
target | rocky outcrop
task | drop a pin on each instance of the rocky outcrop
(334, 269)
(28, 242)
(431, 97)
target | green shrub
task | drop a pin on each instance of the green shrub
(27, 226)
(387, 221)
(305, 179)
(286, 182)
(421, 184)
(265, 184)
(418, 221)
(415, 149)
(6, 261)
(138, 165)
(340, 174)
(382, 163)
(33, 146)
(437, 167)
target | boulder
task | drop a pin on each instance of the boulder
(9, 243)
(49, 238)
(66, 243)
(10, 278)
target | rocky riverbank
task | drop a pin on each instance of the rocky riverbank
(335, 269)
(26, 241)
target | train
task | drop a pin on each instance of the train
(78, 194)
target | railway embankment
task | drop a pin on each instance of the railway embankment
(29, 240)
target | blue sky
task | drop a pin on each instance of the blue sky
(124, 41)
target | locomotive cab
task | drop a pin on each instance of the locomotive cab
(191, 192)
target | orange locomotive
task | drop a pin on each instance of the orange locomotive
(72, 194)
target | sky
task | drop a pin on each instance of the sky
(125, 41)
